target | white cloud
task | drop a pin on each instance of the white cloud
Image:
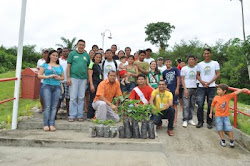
(48, 20)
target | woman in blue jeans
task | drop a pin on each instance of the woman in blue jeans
(52, 73)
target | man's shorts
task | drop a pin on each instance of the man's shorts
(65, 91)
(223, 123)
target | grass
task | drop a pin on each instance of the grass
(6, 92)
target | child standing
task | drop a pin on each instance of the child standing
(123, 70)
(221, 104)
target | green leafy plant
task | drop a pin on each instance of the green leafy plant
(140, 112)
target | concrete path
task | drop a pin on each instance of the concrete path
(192, 146)
(189, 146)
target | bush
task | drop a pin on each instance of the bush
(8, 57)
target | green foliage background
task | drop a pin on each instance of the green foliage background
(231, 55)
(8, 57)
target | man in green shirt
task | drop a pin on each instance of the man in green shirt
(77, 75)
(143, 67)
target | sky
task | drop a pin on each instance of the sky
(48, 20)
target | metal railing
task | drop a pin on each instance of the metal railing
(5, 80)
(235, 108)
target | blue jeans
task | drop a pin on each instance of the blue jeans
(223, 124)
(201, 94)
(128, 87)
(77, 94)
(51, 95)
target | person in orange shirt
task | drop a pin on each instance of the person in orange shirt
(106, 90)
(222, 112)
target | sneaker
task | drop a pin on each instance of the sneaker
(209, 126)
(199, 125)
(223, 143)
(231, 143)
(184, 124)
(191, 122)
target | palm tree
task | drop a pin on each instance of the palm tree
(71, 45)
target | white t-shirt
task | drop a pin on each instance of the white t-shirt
(162, 68)
(189, 74)
(107, 67)
(149, 60)
(39, 64)
(207, 71)
(119, 62)
(63, 63)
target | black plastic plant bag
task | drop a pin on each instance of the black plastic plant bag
(135, 129)
(144, 129)
(127, 128)
(121, 132)
(151, 130)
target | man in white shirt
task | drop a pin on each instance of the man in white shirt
(63, 63)
(109, 64)
(160, 63)
(208, 71)
(148, 56)
(188, 80)
(45, 53)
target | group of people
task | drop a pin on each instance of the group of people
(91, 80)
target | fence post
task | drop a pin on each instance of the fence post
(18, 65)
(235, 110)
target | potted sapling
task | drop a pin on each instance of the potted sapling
(99, 127)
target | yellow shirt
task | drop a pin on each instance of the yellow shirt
(161, 99)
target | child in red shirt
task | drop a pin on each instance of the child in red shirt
(222, 112)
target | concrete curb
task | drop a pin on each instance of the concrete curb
(76, 140)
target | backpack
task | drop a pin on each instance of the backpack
(113, 61)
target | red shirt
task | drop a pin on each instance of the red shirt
(146, 90)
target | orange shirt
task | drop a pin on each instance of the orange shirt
(108, 90)
(221, 104)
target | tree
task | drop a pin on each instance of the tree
(159, 33)
(67, 43)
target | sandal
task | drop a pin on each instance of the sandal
(52, 128)
(46, 128)
(80, 119)
(71, 120)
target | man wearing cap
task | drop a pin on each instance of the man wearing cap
(160, 63)
(41, 61)
(148, 56)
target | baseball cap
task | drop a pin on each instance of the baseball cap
(45, 50)
(160, 58)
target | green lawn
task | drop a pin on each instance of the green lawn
(6, 92)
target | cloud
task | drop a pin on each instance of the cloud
(47, 21)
